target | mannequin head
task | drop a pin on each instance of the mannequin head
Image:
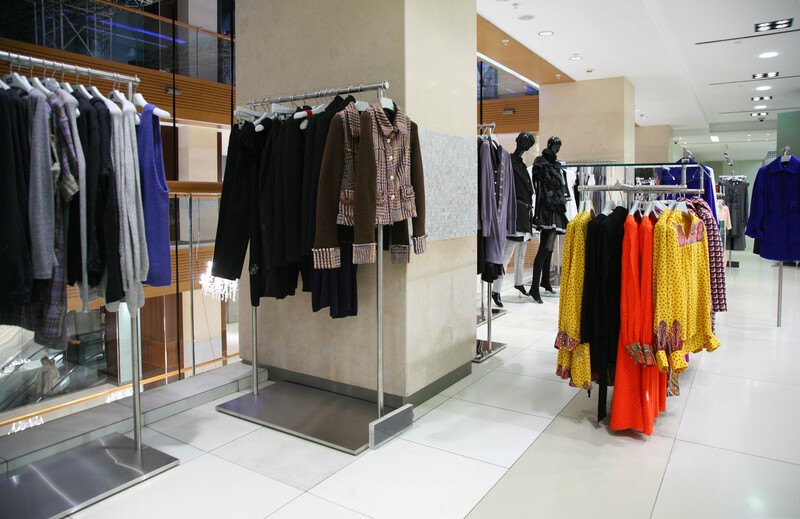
(525, 141)
(554, 144)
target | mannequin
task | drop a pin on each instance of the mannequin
(518, 242)
(550, 216)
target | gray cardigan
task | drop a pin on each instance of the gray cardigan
(41, 195)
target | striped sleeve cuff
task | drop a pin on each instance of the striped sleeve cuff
(68, 187)
(420, 243)
(364, 253)
(330, 258)
(400, 253)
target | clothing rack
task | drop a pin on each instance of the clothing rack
(721, 196)
(114, 462)
(786, 155)
(487, 349)
(345, 423)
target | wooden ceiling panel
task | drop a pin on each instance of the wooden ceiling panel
(515, 55)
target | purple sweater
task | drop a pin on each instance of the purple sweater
(155, 199)
(498, 213)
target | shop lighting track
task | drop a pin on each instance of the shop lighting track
(761, 98)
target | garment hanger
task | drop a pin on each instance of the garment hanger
(3, 85)
(80, 88)
(94, 90)
(361, 105)
(634, 207)
(786, 157)
(65, 85)
(14, 79)
(386, 102)
(141, 102)
(608, 207)
(37, 84)
(50, 82)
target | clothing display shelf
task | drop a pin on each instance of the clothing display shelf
(79, 477)
(486, 349)
(343, 422)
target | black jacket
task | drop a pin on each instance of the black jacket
(551, 201)
(523, 188)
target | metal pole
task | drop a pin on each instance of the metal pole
(379, 269)
(483, 305)
(137, 397)
(780, 292)
(254, 341)
(489, 319)
(191, 281)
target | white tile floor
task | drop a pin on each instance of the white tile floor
(513, 440)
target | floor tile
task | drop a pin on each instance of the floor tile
(429, 405)
(497, 359)
(168, 445)
(403, 479)
(579, 469)
(204, 487)
(309, 506)
(204, 428)
(470, 379)
(511, 336)
(284, 457)
(748, 416)
(519, 393)
(477, 431)
(706, 482)
(533, 363)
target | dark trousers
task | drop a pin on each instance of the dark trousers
(541, 263)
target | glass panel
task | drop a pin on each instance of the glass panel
(500, 84)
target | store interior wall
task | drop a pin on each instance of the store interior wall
(429, 304)
(653, 143)
(789, 132)
(594, 119)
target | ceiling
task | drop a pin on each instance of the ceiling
(696, 88)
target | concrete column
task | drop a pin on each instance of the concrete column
(426, 50)
(595, 119)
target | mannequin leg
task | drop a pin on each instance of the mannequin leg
(497, 284)
(545, 283)
(519, 266)
(542, 255)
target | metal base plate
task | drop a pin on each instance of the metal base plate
(337, 421)
(75, 479)
(388, 426)
(485, 351)
(497, 312)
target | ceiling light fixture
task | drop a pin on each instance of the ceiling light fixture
(759, 107)
(763, 75)
(767, 55)
(505, 42)
(763, 88)
(509, 111)
(767, 135)
(761, 98)
(714, 138)
(576, 57)
(526, 17)
(546, 33)
(774, 25)
(759, 114)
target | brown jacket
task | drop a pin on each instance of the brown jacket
(389, 185)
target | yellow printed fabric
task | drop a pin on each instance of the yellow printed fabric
(573, 356)
(682, 290)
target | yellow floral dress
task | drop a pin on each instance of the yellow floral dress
(573, 356)
(681, 290)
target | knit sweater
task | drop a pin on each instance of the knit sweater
(40, 188)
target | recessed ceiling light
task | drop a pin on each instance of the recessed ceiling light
(759, 107)
(546, 33)
(748, 135)
(763, 88)
(714, 138)
(759, 114)
(767, 135)
(761, 98)
(526, 17)
(771, 26)
(762, 75)
(505, 42)
(576, 57)
(766, 55)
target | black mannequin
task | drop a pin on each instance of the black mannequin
(550, 216)
(523, 189)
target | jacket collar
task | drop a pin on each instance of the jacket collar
(793, 166)
(386, 127)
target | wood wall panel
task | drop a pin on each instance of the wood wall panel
(199, 100)
(524, 119)
(516, 56)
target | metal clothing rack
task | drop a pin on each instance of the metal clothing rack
(341, 422)
(79, 477)
(631, 190)
(486, 349)
(786, 155)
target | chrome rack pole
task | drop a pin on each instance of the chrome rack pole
(483, 304)
(254, 344)
(489, 318)
(135, 382)
(191, 281)
(379, 270)
(780, 292)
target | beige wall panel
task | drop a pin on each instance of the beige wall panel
(440, 310)
(591, 117)
(653, 143)
(304, 45)
(440, 64)
(207, 317)
(197, 153)
(628, 114)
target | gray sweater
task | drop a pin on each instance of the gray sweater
(40, 188)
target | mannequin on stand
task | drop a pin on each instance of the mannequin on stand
(550, 214)
(517, 243)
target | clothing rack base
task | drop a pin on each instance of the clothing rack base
(485, 349)
(65, 483)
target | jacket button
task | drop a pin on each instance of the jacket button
(253, 270)
(391, 177)
(390, 157)
(388, 140)
(392, 197)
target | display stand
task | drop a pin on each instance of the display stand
(631, 191)
(74, 479)
(339, 421)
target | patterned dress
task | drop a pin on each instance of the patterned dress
(573, 356)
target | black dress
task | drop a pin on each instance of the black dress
(523, 189)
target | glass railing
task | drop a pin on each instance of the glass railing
(104, 30)
(183, 332)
